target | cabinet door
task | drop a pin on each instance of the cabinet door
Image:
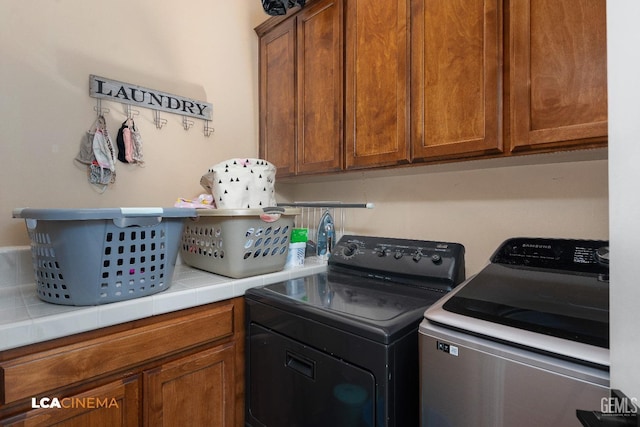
(278, 97)
(558, 73)
(376, 66)
(114, 404)
(319, 72)
(301, 91)
(197, 390)
(455, 77)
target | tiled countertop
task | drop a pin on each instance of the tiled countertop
(25, 319)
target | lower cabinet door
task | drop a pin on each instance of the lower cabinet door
(114, 404)
(197, 390)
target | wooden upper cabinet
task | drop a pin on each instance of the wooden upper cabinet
(377, 81)
(355, 84)
(301, 95)
(455, 77)
(557, 73)
(319, 43)
(278, 97)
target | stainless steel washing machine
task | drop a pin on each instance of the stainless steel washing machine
(525, 342)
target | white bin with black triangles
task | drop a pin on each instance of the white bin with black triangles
(98, 256)
(241, 184)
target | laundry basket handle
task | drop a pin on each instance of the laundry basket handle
(143, 221)
(273, 210)
(271, 213)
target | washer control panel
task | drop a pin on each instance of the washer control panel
(572, 255)
(395, 259)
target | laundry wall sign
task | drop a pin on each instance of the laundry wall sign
(126, 93)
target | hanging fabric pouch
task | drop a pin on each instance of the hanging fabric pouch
(120, 142)
(102, 170)
(129, 143)
(136, 141)
(85, 154)
(97, 153)
(101, 176)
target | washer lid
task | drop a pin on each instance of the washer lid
(569, 306)
(549, 295)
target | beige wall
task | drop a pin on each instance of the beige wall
(478, 203)
(203, 49)
(207, 50)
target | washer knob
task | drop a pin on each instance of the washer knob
(436, 259)
(397, 255)
(417, 256)
(602, 255)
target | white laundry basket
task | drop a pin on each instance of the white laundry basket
(238, 242)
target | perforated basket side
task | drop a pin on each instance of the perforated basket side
(136, 261)
(236, 247)
(49, 278)
(96, 262)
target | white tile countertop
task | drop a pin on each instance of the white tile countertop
(25, 319)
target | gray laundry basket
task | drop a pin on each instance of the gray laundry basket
(98, 256)
(238, 242)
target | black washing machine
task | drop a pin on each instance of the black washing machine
(340, 348)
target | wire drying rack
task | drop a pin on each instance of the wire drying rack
(311, 213)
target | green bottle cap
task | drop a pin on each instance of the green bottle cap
(298, 235)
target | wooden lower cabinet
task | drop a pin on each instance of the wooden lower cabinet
(182, 368)
(194, 391)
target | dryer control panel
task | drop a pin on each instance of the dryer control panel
(402, 260)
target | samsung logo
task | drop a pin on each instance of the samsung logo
(535, 246)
